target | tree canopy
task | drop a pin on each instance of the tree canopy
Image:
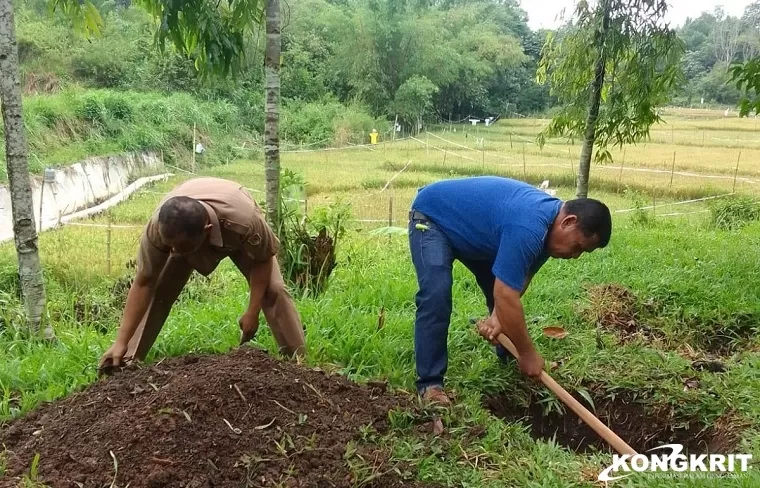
(453, 58)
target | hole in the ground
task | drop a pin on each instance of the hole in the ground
(725, 336)
(638, 425)
(616, 308)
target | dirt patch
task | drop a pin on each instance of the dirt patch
(636, 423)
(726, 336)
(242, 419)
(616, 308)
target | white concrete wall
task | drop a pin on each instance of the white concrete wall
(82, 185)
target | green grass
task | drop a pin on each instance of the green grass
(700, 276)
(342, 330)
(708, 148)
(691, 282)
(74, 124)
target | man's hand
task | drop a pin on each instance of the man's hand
(490, 329)
(249, 325)
(138, 299)
(531, 364)
(112, 358)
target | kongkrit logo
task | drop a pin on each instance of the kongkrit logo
(675, 462)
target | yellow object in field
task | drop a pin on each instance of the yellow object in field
(373, 136)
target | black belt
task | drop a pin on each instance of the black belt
(417, 215)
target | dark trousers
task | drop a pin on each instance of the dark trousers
(278, 307)
(433, 259)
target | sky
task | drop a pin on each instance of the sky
(543, 13)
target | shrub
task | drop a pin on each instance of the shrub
(734, 212)
(101, 68)
(327, 122)
(155, 111)
(640, 217)
(354, 126)
(118, 107)
(308, 242)
(92, 109)
(309, 123)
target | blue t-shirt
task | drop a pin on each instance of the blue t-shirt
(500, 220)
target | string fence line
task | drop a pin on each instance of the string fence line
(683, 202)
(367, 210)
(688, 174)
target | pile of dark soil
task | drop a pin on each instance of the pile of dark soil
(628, 414)
(237, 420)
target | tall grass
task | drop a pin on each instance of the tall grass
(75, 124)
(328, 123)
(695, 275)
(693, 283)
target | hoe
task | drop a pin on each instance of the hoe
(589, 418)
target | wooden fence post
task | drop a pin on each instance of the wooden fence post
(193, 147)
(108, 245)
(736, 171)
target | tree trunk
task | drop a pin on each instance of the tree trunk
(22, 204)
(271, 129)
(595, 98)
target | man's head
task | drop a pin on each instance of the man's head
(582, 225)
(183, 224)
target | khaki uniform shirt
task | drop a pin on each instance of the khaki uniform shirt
(238, 226)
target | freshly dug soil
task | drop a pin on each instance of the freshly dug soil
(616, 308)
(637, 424)
(238, 420)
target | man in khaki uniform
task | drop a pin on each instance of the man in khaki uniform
(196, 226)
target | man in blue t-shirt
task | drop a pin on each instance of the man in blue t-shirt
(503, 231)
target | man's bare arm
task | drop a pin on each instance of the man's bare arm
(509, 314)
(138, 300)
(510, 320)
(258, 280)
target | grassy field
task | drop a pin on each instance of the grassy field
(669, 291)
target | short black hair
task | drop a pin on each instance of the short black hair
(182, 216)
(594, 218)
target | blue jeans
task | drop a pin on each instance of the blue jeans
(433, 259)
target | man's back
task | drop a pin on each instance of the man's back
(224, 196)
(236, 223)
(494, 219)
(473, 212)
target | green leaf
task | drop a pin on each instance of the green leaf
(587, 396)
(212, 34)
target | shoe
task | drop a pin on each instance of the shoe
(435, 394)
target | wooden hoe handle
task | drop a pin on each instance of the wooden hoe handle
(604, 432)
